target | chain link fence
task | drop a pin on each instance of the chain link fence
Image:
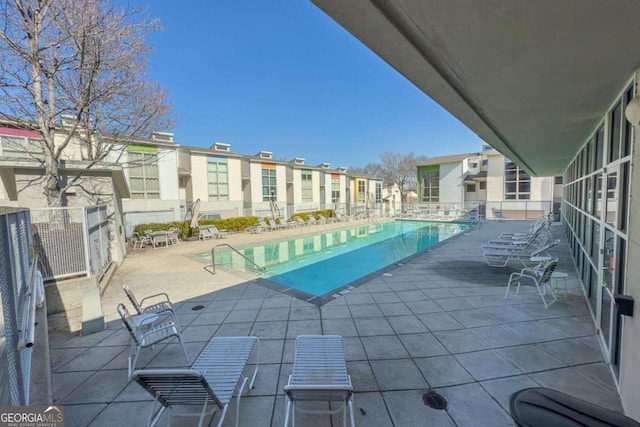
(15, 267)
(72, 241)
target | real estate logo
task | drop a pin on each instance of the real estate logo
(31, 416)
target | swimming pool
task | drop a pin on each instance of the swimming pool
(323, 263)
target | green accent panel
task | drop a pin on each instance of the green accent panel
(142, 148)
(428, 168)
(306, 170)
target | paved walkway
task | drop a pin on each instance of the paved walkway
(439, 321)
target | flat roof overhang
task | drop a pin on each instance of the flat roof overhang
(531, 78)
(8, 169)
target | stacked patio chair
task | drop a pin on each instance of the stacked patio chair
(145, 332)
(153, 304)
(212, 380)
(319, 374)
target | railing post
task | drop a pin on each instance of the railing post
(85, 234)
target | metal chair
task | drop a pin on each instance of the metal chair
(152, 304)
(141, 241)
(319, 374)
(146, 333)
(539, 277)
(215, 375)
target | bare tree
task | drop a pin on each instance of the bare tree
(373, 170)
(402, 170)
(77, 72)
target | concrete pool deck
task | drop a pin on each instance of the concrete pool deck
(437, 321)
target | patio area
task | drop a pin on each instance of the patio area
(437, 321)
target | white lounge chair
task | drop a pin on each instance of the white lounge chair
(145, 332)
(319, 374)
(538, 277)
(218, 234)
(213, 378)
(497, 257)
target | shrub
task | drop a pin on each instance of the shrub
(305, 215)
(184, 227)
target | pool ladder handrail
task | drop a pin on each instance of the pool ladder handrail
(213, 258)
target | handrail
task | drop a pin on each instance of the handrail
(27, 328)
(213, 258)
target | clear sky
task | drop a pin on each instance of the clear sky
(282, 76)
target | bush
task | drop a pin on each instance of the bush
(305, 215)
(184, 227)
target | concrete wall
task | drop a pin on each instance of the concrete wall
(451, 183)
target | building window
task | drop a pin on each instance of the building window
(361, 191)
(17, 147)
(268, 182)
(485, 162)
(558, 180)
(473, 165)
(307, 186)
(517, 182)
(471, 188)
(143, 174)
(431, 185)
(483, 185)
(335, 188)
(218, 178)
(378, 192)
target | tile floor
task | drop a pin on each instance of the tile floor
(438, 321)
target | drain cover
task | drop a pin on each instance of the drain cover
(434, 400)
(197, 307)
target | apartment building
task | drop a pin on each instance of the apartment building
(487, 181)
(156, 180)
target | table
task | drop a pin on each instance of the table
(556, 276)
(159, 237)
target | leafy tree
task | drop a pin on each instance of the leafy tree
(82, 62)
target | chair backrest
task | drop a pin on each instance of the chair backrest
(548, 270)
(544, 248)
(126, 321)
(262, 223)
(132, 298)
(272, 223)
(176, 386)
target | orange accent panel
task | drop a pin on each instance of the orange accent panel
(270, 166)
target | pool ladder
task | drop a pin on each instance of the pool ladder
(254, 267)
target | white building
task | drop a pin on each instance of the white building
(489, 182)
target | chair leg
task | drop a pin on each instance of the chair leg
(287, 412)
(186, 356)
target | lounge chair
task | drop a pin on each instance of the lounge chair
(152, 304)
(319, 374)
(538, 277)
(498, 257)
(205, 233)
(213, 378)
(218, 234)
(539, 238)
(541, 407)
(145, 332)
(275, 226)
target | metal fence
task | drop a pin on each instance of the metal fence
(16, 278)
(133, 218)
(510, 210)
(72, 241)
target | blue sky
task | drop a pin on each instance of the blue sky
(282, 76)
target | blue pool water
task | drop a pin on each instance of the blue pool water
(319, 264)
